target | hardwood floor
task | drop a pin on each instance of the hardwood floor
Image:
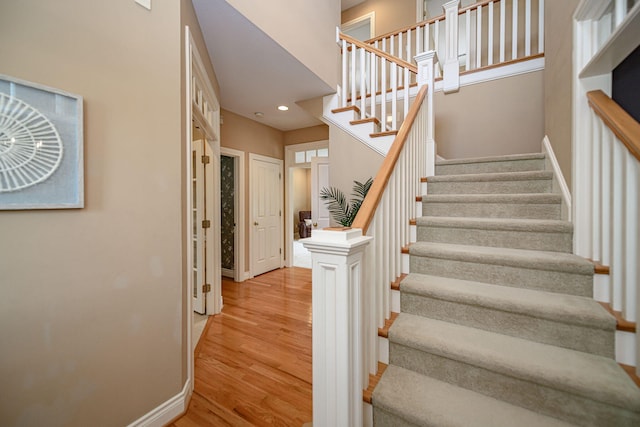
(253, 362)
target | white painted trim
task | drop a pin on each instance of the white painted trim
(359, 22)
(289, 165)
(227, 272)
(524, 67)
(280, 162)
(167, 411)
(240, 249)
(626, 348)
(188, 291)
(558, 178)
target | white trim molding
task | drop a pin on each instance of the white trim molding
(559, 182)
(168, 411)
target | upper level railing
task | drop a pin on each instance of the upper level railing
(373, 81)
(484, 34)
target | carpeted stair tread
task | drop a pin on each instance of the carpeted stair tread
(596, 378)
(507, 158)
(496, 176)
(542, 198)
(503, 224)
(522, 258)
(424, 401)
(553, 306)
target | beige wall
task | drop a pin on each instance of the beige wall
(310, 134)
(350, 160)
(90, 310)
(246, 135)
(492, 118)
(390, 15)
(306, 29)
(557, 80)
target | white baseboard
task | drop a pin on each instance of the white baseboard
(168, 411)
(226, 272)
(558, 178)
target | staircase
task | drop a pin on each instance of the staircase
(497, 324)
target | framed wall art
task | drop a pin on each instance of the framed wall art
(41, 147)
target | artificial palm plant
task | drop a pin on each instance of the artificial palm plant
(342, 211)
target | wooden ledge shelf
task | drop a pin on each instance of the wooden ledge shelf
(413, 221)
(621, 323)
(418, 198)
(405, 249)
(384, 331)
(423, 179)
(373, 382)
(631, 371)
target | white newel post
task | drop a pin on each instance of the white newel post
(451, 67)
(338, 377)
(426, 73)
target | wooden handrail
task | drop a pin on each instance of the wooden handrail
(370, 203)
(379, 52)
(625, 127)
(407, 28)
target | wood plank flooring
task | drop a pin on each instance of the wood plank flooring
(253, 362)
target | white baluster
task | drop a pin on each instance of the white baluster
(503, 33)
(400, 53)
(383, 94)
(478, 37)
(386, 241)
(605, 215)
(406, 93)
(418, 40)
(514, 32)
(392, 44)
(527, 28)
(490, 36)
(427, 40)
(596, 190)
(363, 88)
(409, 45)
(436, 37)
(540, 26)
(374, 82)
(631, 249)
(451, 66)
(394, 95)
(353, 74)
(617, 242)
(468, 38)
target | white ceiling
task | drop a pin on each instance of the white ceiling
(254, 72)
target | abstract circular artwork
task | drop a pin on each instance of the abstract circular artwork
(30, 146)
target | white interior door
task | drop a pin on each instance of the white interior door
(266, 214)
(319, 180)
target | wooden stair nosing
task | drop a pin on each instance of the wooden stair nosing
(365, 120)
(418, 198)
(347, 108)
(423, 179)
(413, 221)
(631, 371)
(384, 331)
(385, 133)
(622, 324)
(395, 285)
(373, 382)
(405, 249)
(599, 268)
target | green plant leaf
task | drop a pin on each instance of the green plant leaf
(342, 212)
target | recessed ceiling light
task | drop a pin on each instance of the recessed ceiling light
(283, 108)
(258, 114)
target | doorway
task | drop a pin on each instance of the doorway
(232, 213)
(298, 186)
(361, 28)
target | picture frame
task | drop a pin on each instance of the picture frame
(41, 147)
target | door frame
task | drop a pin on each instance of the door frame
(239, 274)
(289, 165)
(202, 105)
(359, 22)
(252, 157)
